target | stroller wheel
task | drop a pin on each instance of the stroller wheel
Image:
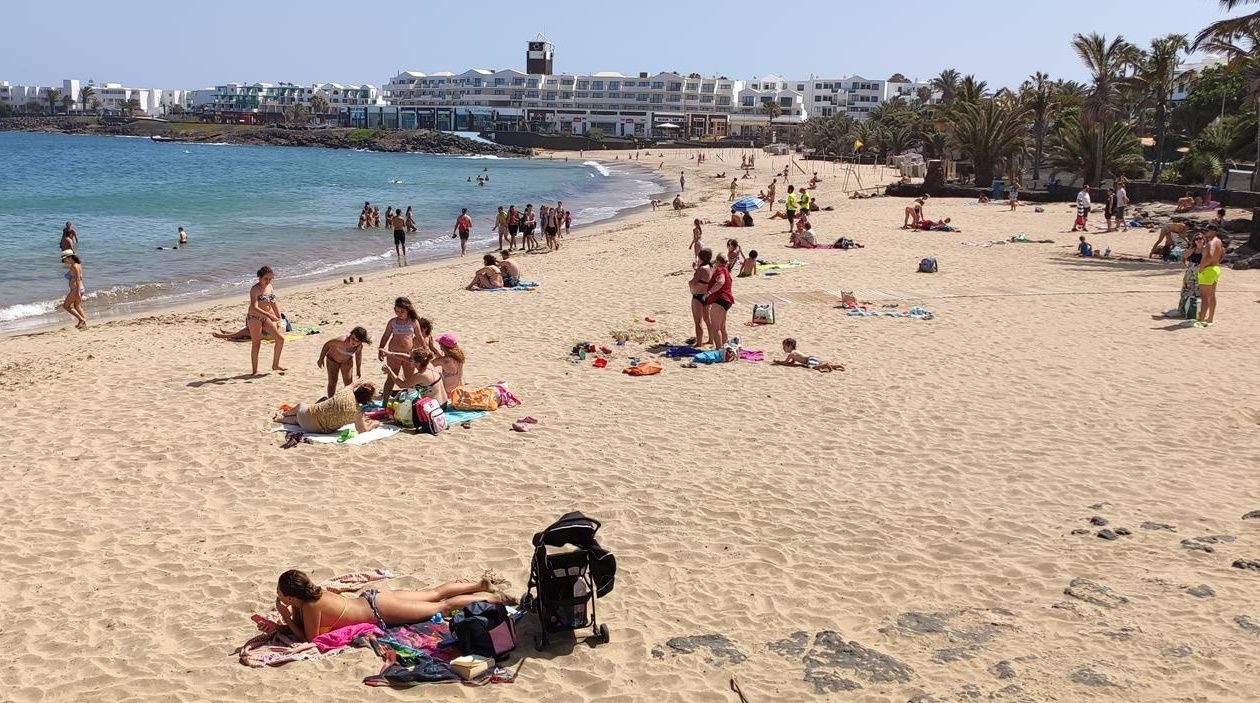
(603, 633)
(539, 642)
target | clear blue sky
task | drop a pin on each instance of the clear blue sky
(193, 45)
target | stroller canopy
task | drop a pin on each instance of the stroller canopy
(578, 530)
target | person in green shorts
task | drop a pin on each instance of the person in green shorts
(1209, 275)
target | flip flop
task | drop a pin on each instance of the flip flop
(518, 427)
(529, 420)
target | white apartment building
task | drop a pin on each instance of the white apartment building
(241, 102)
(616, 103)
(106, 97)
(1186, 73)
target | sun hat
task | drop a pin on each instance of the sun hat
(67, 252)
(447, 341)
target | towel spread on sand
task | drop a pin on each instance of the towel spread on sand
(771, 266)
(455, 417)
(371, 435)
(522, 286)
(915, 313)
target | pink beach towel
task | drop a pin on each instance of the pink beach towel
(751, 355)
(343, 636)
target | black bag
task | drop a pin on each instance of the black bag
(484, 629)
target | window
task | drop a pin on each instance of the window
(800, 87)
(643, 97)
(597, 85)
(657, 99)
(614, 85)
(583, 85)
(723, 100)
(747, 101)
(675, 98)
(675, 87)
(533, 83)
(658, 85)
(581, 94)
(785, 102)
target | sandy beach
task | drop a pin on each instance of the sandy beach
(901, 531)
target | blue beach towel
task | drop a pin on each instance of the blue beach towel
(673, 352)
(455, 417)
(712, 356)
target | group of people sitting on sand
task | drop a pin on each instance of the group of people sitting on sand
(496, 273)
(413, 358)
(1191, 201)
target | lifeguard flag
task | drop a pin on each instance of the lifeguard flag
(857, 144)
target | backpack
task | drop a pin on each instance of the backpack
(484, 629)
(429, 416)
(843, 243)
(404, 407)
(763, 314)
(927, 265)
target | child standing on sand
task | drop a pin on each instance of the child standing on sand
(799, 358)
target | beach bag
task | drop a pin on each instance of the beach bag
(763, 314)
(730, 352)
(647, 368)
(429, 416)
(506, 398)
(404, 407)
(1189, 306)
(484, 629)
(927, 265)
(463, 398)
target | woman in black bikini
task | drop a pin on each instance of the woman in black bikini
(264, 314)
(699, 285)
(337, 355)
(309, 610)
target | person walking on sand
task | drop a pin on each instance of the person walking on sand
(696, 233)
(1122, 202)
(264, 314)
(1014, 194)
(500, 225)
(734, 185)
(682, 180)
(513, 225)
(73, 303)
(1082, 209)
(1209, 276)
(463, 228)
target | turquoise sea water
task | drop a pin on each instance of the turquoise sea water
(294, 209)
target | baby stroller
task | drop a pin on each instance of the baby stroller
(568, 572)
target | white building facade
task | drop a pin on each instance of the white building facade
(105, 97)
(255, 102)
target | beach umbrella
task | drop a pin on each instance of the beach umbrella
(746, 204)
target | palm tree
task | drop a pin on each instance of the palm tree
(53, 97)
(1243, 54)
(1074, 149)
(319, 105)
(1070, 93)
(923, 94)
(1233, 26)
(33, 107)
(947, 85)
(86, 93)
(989, 132)
(1106, 62)
(772, 110)
(130, 107)
(1039, 96)
(971, 90)
(67, 102)
(96, 106)
(1153, 81)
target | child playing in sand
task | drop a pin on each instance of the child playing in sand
(1084, 249)
(799, 358)
(749, 267)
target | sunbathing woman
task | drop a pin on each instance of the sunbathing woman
(333, 413)
(799, 358)
(1185, 203)
(424, 376)
(450, 359)
(337, 355)
(402, 334)
(309, 610)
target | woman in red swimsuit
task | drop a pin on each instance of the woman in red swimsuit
(719, 299)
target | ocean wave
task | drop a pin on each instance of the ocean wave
(477, 156)
(603, 170)
(25, 310)
(342, 264)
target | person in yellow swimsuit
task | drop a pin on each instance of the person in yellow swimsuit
(1209, 275)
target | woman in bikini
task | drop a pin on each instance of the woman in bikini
(425, 376)
(528, 223)
(718, 301)
(513, 225)
(402, 334)
(337, 355)
(696, 233)
(264, 314)
(410, 222)
(309, 610)
(73, 303)
(698, 285)
(450, 359)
